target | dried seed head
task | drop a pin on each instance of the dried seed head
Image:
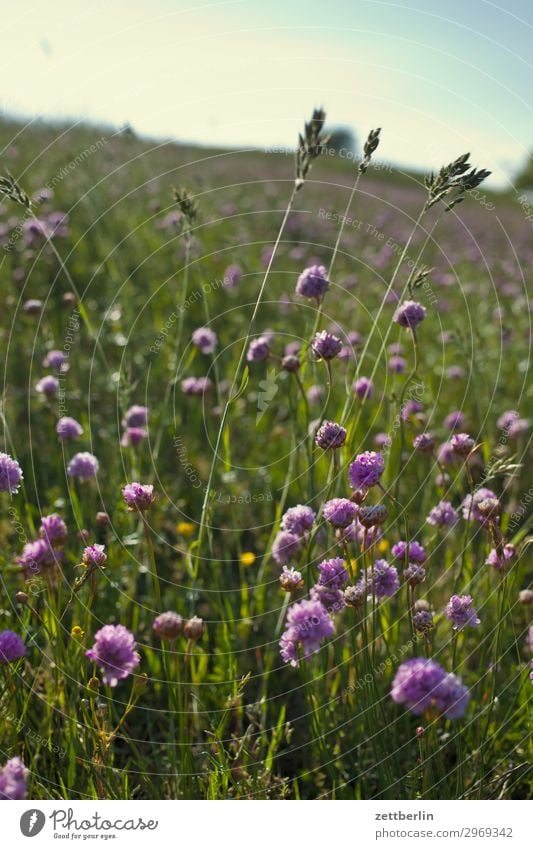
(10, 188)
(453, 179)
(354, 596)
(310, 145)
(188, 207)
(370, 146)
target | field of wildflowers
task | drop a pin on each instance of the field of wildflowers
(265, 499)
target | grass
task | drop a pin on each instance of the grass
(224, 716)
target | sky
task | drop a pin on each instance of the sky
(440, 78)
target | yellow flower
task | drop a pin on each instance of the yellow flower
(247, 558)
(383, 546)
(186, 529)
(77, 632)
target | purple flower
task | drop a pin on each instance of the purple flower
(114, 652)
(471, 505)
(135, 416)
(421, 683)
(55, 359)
(339, 512)
(443, 515)
(410, 409)
(292, 348)
(10, 474)
(329, 597)
(511, 423)
(422, 617)
(366, 470)
(138, 496)
(364, 388)
(37, 555)
(518, 427)
(68, 428)
(424, 443)
(455, 372)
(416, 553)
(133, 436)
(258, 350)
(94, 555)
(83, 466)
(382, 440)
(326, 346)
(330, 435)
(290, 580)
(462, 444)
(196, 385)
(501, 563)
(315, 393)
(48, 385)
(205, 339)
(410, 314)
(13, 780)
(308, 624)
(397, 364)
(53, 529)
(454, 695)
(460, 611)
(332, 573)
(232, 275)
(507, 419)
(313, 282)
(11, 647)
(285, 546)
(454, 420)
(298, 520)
(168, 626)
(386, 580)
(446, 455)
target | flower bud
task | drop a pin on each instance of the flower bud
(168, 625)
(194, 628)
(371, 515)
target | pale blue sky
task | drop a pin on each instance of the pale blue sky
(439, 77)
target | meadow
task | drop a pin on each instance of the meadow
(271, 535)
